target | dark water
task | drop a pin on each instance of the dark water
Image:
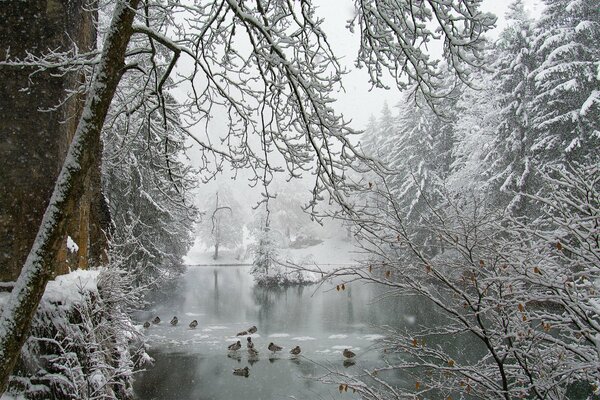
(195, 363)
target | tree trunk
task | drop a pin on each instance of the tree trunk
(216, 255)
(33, 143)
(82, 155)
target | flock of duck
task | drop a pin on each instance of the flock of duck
(252, 352)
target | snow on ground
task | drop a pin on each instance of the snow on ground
(334, 252)
(69, 288)
(66, 289)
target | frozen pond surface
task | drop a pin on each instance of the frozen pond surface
(195, 363)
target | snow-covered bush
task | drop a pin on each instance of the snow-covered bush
(82, 343)
(268, 266)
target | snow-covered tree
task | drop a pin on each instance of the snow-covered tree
(567, 101)
(222, 225)
(265, 263)
(149, 192)
(512, 159)
(474, 129)
(523, 296)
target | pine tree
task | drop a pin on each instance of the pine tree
(567, 101)
(512, 159)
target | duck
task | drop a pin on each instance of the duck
(252, 352)
(295, 351)
(348, 354)
(252, 329)
(193, 324)
(174, 321)
(274, 348)
(235, 347)
(147, 324)
(249, 343)
(245, 372)
(242, 333)
(156, 320)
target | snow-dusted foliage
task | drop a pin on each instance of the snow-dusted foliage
(513, 157)
(82, 344)
(566, 105)
(147, 184)
(269, 267)
(523, 296)
(266, 267)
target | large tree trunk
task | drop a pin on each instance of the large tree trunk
(81, 157)
(34, 144)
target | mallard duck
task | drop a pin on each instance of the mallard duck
(235, 347)
(249, 343)
(274, 348)
(156, 320)
(193, 324)
(147, 324)
(252, 352)
(348, 354)
(252, 329)
(242, 371)
(242, 333)
(174, 321)
(295, 351)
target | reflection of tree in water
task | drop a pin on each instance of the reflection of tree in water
(307, 369)
(266, 299)
(174, 373)
(350, 307)
(216, 291)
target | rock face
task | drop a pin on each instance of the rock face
(39, 112)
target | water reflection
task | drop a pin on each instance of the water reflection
(195, 363)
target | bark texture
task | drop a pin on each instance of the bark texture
(36, 127)
(81, 158)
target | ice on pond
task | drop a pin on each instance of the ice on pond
(373, 337)
(338, 336)
(345, 347)
(279, 335)
(214, 328)
(303, 338)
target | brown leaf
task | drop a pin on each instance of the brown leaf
(537, 270)
(341, 387)
(524, 318)
(415, 342)
(451, 362)
(370, 268)
(370, 185)
(559, 246)
(481, 263)
(343, 287)
(388, 273)
(337, 287)
(521, 308)
(547, 327)
(417, 385)
(427, 268)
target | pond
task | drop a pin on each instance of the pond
(195, 363)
